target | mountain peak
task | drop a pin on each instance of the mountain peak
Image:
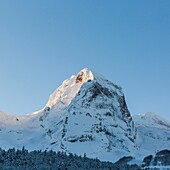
(63, 96)
(151, 119)
(84, 75)
(87, 74)
(69, 88)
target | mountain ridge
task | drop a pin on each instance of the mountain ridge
(86, 114)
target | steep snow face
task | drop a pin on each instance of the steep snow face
(153, 133)
(68, 90)
(88, 114)
(99, 113)
(96, 121)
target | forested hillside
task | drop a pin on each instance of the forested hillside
(50, 160)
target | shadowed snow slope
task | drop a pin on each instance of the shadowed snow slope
(86, 114)
(153, 133)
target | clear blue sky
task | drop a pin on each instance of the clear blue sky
(44, 42)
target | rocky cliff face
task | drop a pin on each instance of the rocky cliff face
(96, 121)
(99, 114)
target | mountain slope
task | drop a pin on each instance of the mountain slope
(86, 114)
(96, 121)
(153, 133)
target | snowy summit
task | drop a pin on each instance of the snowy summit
(86, 114)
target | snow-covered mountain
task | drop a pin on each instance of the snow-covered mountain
(86, 114)
(153, 133)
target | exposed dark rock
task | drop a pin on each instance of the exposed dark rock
(124, 160)
(47, 109)
(45, 114)
(108, 114)
(163, 152)
(97, 90)
(147, 160)
(82, 138)
(123, 107)
(79, 78)
(66, 120)
(52, 143)
(88, 114)
(162, 158)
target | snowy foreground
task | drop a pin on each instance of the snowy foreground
(87, 114)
